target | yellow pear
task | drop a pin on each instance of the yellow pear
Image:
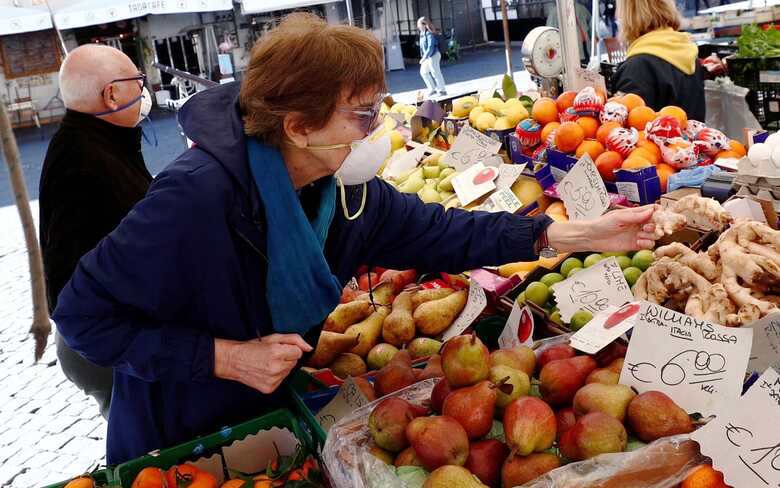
(398, 327)
(329, 347)
(346, 314)
(423, 296)
(432, 318)
(368, 331)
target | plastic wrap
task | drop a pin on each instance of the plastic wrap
(727, 109)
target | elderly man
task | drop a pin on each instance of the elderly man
(93, 174)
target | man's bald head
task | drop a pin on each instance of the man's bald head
(87, 70)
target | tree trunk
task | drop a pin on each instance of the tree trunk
(41, 326)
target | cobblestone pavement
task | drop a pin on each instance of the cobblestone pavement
(49, 430)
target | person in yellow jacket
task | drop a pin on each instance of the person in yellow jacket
(662, 64)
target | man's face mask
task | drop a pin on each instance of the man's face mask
(145, 98)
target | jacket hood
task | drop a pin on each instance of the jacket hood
(674, 47)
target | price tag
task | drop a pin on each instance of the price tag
(404, 162)
(743, 440)
(347, 400)
(519, 328)
(585, 77)
(604, 328)
(700, 365)
(470, 147)
(474, 306)
(508, 174)
(502, 201)
(583, 191)
(593, 289)
(766, 344)
(474, 183)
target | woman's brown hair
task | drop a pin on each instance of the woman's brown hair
(638, 17)
(305, 66)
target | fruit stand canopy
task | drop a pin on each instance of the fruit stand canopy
(15, 20)
(68, 15)
(744, 5)
(261, 6)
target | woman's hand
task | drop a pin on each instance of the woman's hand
(630, 229)
(260, 364)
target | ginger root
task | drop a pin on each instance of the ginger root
(693, 210)
(667, 223)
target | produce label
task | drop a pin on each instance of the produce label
(470, 147)
(403, 162)
(593, 289)
(519, 328)
(474, 182)
(502, 201)
(700, 365)
(508, 174)
(583, 191)
(743, 440)
(766, 344)
(605, 327)
(474, 306)
(586, 77)
(347, 400)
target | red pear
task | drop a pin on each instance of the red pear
(465, 361)
(440, 393)
(558, 351)
(653, 415)
(565, 421)
(519, 470)
(560, 379)
(473, 408)
(407, 457)
(432, 369)
(521, 358)
(529, 426)
(438, 441)
(485, 461)
(593, 434)
(614, 350)
(604, 376)
(395, 375)
(387, 423)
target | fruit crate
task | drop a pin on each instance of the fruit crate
(209, 445)
(762, 77)
(102, 477)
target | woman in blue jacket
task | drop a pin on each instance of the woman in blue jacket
(430, 58)
(211, 290)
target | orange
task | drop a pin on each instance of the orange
(556, 208)
(640, 117)
(593, 148)
(738, 147)
(607, 163)
(651, 147)
(641, 136)
(704, 477)
(566, 100)
(86, 481)
(589, 125)
(234, 483)
(645, 154)
(727, 154)
(677, 113)
(632, 101)
(664, 172)
(547, 130)
(569, 136)
(636, 162)
(604, 130)
(545, 110)
(149, 478)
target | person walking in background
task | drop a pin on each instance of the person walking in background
(430, 58)
(93, 174)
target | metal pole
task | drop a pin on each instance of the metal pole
(567, 24)
(59, 34)
(349, 11)
(471, 24)
(507, 41)
(595, 52)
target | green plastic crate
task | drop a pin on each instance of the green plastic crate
(206, 446)
(102, 477)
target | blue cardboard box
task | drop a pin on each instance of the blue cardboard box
(640, 186)
(500, 135)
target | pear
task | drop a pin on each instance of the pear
(610, 399)
(485, 461)
(519, 470)
(452, 477)
(432, 369)
(604, 376)
(445, 195)
(380, 355)
(423, 296)
(565, 420)
(365, 387)
(388, 420)
(652, 415)
(617, 365)
(445, 172)
(438, 441)
(398, 327)
(428, 194)
(348, 364)
(423, 346)
(465, 361)
(432, 318)
(383, 293)
(413, 184)
(367, 332)
(595, 433)
(529, 426)
(379, 453)
(558, 351)
(407, 457)
(432, 171)
(347, 314)
(440, 393)
(521, 358)
(518, 380)
(406, 174)
(329, 347)
(560, 379)
(446, 183)
(396, 375)
(473, 408)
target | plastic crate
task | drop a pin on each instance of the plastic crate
(206, 446)
(102, 477)
(762, 77)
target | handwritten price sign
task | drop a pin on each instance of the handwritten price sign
(744, 440)
(470, 147)
(698, 364)
(593, 289)
(583, 191)
(766, 343)
(347, 400)
(476, 303)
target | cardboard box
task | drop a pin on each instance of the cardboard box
(453, 125)
(500, 135)
(641, 186)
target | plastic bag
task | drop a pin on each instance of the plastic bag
(662, 464)
(691, 178)
(727, 109)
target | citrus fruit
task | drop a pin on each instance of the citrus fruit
(592, 259)
(485, 121)
(727, 154)
(607, 163)
(556, 208)
(552, 278)
(641, 136)
(644, 153)
(589, 125)
(548, 129)
(664, 172)
(475, 112)
(397, 141)
(639, 117)
(592, 147)
(495, 105)
(86, 481)
(676, 112)
(632, 274)
(461, 107)
(504, 123)
(545, 110)
(568, 137)
(738, 147)
(623, 261)
(613, 254)
(704, 477)
(652, 148)
(643, 259)
(604, 130)
(636, 162)
(632, 101)
(570, 264)
(538, 293)
(566, 100)
(579, 319)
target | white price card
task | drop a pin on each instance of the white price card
(401, 162)
(474, 182)
(604, 328)
(519, 328)
(508, 174)
(744, 439)
(476, 303)
(470, 147)
(593, 289)
(502, 200)
(586, 77)
(347, 400)
(766, 344)
(700, 365)
(583, 191)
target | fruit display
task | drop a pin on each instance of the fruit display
(493, 113)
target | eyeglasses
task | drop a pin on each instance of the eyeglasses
(368, 117)
(139, 77)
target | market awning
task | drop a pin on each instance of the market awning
(14, 20)
(744, 5)
(95, 12)
(262, 6)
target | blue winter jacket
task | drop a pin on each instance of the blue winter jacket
(429, 44)
(188, 264)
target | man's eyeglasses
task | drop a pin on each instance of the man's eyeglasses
(139, 77)
(367, 116)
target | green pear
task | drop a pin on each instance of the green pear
(446, 183)
(431, 171)
(519, 381)
(412, 185)
(445, 172)
(428, 194)
(597, 397)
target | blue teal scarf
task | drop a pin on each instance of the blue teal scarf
(300, 289)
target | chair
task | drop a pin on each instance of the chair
(616, 50)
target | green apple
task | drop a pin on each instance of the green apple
(538, 293)
(613, 254)
(569, 265)
(632, 275)
(593, 259)
(643, 259)
(623, 261)
(552, 278)
(573, 272)
(579, 319)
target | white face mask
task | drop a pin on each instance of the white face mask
(146, 105)
(364, 160)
